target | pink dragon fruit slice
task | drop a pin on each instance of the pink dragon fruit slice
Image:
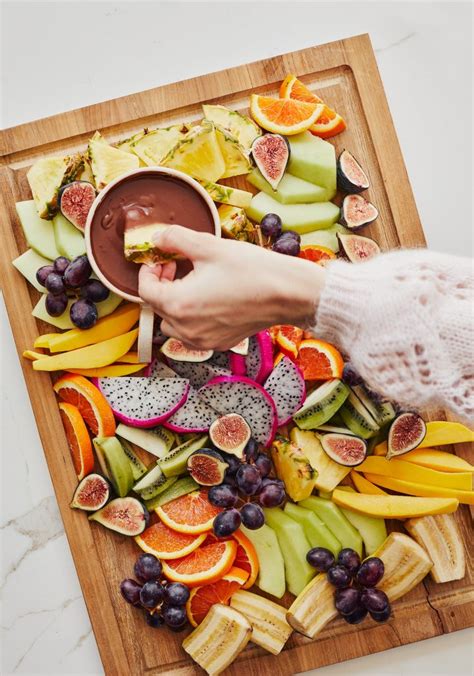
(286, 386)
(221, 359)
(237, 364)
(143, 402)
(198, 373)
(194, 416)
(157, 369)
(237, 394)
(259, 360)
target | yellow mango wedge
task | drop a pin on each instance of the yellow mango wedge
(113, 325)
(43, 341)
(93, 356)
(381, 449)
(408, 471)
(363, 485)
(129, 358)
(111, 371)
(394, 506)
(32, 355)
(440, 460)
(440, 433)
(421, 490)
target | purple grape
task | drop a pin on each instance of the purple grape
(357, 616)
(151, 594)
(320, 558)
(147, 567)
(42, 273)
(350, 376)
(287, 245)
(226, 523)
(381, 616)
(60, 264)
(176, 594)
(131, 591)
(55, 305)
(251, 450)
(339, 576)
(248, 479)
(233, 462)
(223, 496)
(375, 600)
(272, 495)
(271, 481)
(95, 291)
(349, 559)
(293, 234)
(370, 572)
(252, 516)
(271, 225)
(54, 284)
(174, 616)
(154, 620)
(77, 272)
(264, 465)
(347, 600)
(83, 313)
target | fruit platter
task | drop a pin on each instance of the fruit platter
(259, 508)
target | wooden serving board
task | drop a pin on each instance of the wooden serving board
(345, 74)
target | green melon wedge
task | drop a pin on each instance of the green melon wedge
(298, 217)
(271, 574)
(28, 263)
(316, 531)
(291, 189)
(104, 308)
(38, 231)
(69, 240)
(314, 160)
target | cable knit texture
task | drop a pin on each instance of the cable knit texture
(406, 319)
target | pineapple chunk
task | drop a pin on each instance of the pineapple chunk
(240, 126)
(235, 224)
(107, 162)
(236, 159)
(293, 468)
(153, 147)
(198, 154)
(46, 177)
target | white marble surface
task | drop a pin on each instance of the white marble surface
(57, 56)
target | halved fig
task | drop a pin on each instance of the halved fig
(344, 449)
(356, 212)
(177, 350)
(75, 201)
(357, 248)
(230, 433)
(207, 467)
(127, 516)
(271, 153)
(241, 348)
(406, 432)
(350, 176)
(91, 494)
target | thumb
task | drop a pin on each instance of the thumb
(177, 239)
(155, 288)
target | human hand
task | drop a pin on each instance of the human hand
(234, 290)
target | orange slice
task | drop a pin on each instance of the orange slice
(278, 358)
(329, 123)
(191, 513)
(288, 340)
(284, 116)
(78, 440)
(203, 566)
(91, 403)
(316, 254)
(292, 88)
(166, 543)
(203, 598)
(246, 558)
(319, 360)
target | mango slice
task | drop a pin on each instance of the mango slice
(32, 355)
(407, 471)
(93, 356)
(43, 341)
(440, 433)
(421, 490)
(129, 358)
(394, 506)
(111, 371)
(363, 485)
(440, 460)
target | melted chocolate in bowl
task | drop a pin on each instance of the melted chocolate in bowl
(152, 198)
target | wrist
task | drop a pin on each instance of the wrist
(298, 291)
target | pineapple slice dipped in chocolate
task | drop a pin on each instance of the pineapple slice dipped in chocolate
(138, 239)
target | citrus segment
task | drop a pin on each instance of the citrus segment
(329, 123)
(319, 360)
(191, 513)
(316, 254)
(78, 440)
(284, 116)
(166, 543)
(203, 566)
(91, 403)
(203, 598)
(246, 558)
(288, 340)
(292, 88)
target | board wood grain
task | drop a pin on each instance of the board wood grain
(345, 73)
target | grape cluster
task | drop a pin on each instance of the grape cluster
(283, 242)
(356, 593)
(65, 278)
(245, 480)
(164, 602)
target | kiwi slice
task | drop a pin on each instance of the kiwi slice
(175, 462)
(138, 467)
(148, 485)
(321, 404)
(357, 418)
(179, 488)
(114, 463)
(154, 502)
(382, 412)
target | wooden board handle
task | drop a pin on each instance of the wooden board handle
(145, 333)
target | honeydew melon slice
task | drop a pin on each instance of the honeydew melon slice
(291, 189)
(314, 160)
(298, 217)
(327, 238)
(28, 263)
(38, 231)
(104, 308)
(69, 240)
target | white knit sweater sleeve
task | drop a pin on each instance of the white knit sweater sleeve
(406, 321)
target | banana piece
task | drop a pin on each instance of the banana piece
(406, 564)
(270, 630)
(439, 535)
(220, 637)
